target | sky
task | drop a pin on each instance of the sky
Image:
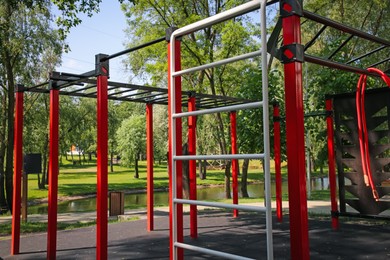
(101, 33)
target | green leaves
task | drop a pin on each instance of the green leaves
(70, 10)
(131, 138)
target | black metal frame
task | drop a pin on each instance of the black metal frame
(328, 62)
(77, 85)
(357, 194)
(367, 208)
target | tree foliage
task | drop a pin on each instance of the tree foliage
(368, 16)
(27, 40)
(131, 138)
(148, 20)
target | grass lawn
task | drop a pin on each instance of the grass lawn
(34, 227)
(78, 180)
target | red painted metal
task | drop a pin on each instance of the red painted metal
(149, 159)
(299, 237)
(362, 128)
(18, 167)
(53, 175)
(331, 164)
(102, 170)
(179, 181)
(192, 168)
(233, 138)
(277, 159)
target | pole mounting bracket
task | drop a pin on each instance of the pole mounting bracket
(291, 7)
(102, 65)
(291, 53)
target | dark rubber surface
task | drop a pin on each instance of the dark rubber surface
(217, 230)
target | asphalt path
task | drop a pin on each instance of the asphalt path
(218, 230)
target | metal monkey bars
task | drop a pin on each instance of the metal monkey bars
(292, 53)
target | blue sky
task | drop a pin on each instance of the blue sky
(101, 33)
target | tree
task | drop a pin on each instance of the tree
(131, 138)
(160, 133)
(148, 20)
(369, 16)
(26, 32)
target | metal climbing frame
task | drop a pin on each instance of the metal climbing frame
(175, 116)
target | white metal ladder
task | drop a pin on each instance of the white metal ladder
(234, 12)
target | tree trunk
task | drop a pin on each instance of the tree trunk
(3, 201)
(202, 169)
(111, 162)
(43, 182)
(46, 173)
(227, 180)
(136, 174)
(45, 163)
(71, 156)
(244, 179)
(186, 173)
(39, 180)
(10, 133)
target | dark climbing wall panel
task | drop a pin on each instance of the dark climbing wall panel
(352, 190)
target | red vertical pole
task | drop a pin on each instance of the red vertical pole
(18, 167)
(278, 172)
(331, 164)
(299, 234)
(149, 159)
(192, 167)
(53, 173)
(233, 133)
(102, 158)
(179, 188)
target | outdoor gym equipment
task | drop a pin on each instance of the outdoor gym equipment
(291, 52)
(351, 161)
(362, 128)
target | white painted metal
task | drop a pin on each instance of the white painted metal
(267, 171)
(218, 157)
(234, 12)
(250, 6)
(211, 252)
(221, 205)
(217, 63)
(219, 109)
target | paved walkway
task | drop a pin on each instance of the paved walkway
(316, 207)
(218, 230)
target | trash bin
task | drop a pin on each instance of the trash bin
(117, 203)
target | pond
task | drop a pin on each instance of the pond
(139, 199)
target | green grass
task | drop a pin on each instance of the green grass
(78, 180)
(81, 180)
(34, 227)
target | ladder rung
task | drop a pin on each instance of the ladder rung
(219, 109)
(218, 157)
(210, 251)
(220, 205)
(217, 63)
